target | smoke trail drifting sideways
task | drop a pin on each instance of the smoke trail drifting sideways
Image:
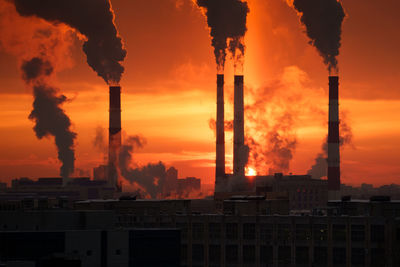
(47, 113)
(92, 18)
(323, 21)
(150, 177)
(227, 22)
(228, 125)
(320, 167)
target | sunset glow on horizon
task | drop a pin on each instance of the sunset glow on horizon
(169, 93)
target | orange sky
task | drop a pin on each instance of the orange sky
(169, 91)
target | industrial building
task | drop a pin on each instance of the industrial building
(76, 248)
(52, 192)
(246, 232)
(304, 193)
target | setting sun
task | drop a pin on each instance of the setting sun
(250, 171)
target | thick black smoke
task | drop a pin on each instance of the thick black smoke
(35, 68)
(227, 21)
(151, 177)
(92, 18)
(323, 20)
(47, 113)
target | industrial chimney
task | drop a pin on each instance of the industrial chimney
(220, 137)
(238, 129)
(333, 140)
(114, 136)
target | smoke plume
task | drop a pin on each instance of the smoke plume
(274, 148)
(320, 167)
(227, 22)
(99, 140)
(150, 180)
(42, 49)
(49, 117)
(150, 177)
(323, 21)
(228, 125)
(93, 19)
(272, 115)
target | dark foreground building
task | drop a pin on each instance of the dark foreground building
(103, 248)
(243, 232)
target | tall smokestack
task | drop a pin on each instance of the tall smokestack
(114, 138)
(333, 140)
(220, 136)
(239, 160)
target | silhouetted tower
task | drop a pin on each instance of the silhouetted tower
(220, 136)
(333, 140)
(114, 137)
(238, 128)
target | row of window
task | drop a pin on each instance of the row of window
(90, 252)
(284, 255)
(319, 232)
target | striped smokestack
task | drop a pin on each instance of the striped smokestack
(114, 137)
(220, 136)
(238, 128)
(333, 140)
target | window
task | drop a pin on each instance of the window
(284, 232)
(214, 252)
(249, 231)
(198, 253)
(184, 230)
(284, 255)
(183, 252)
(377, 233)
(320, 232)
(398, 234)
(301, 255)
(214, 230)
(358, 233)
(265, 232)
(249, 254)
(303, 232)
(266, 254)
(320, 255)
(339, 256)
(357, 256)
(339, 232)
(378, 257)
(231, 231)
(231, 253)
(197, 231)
